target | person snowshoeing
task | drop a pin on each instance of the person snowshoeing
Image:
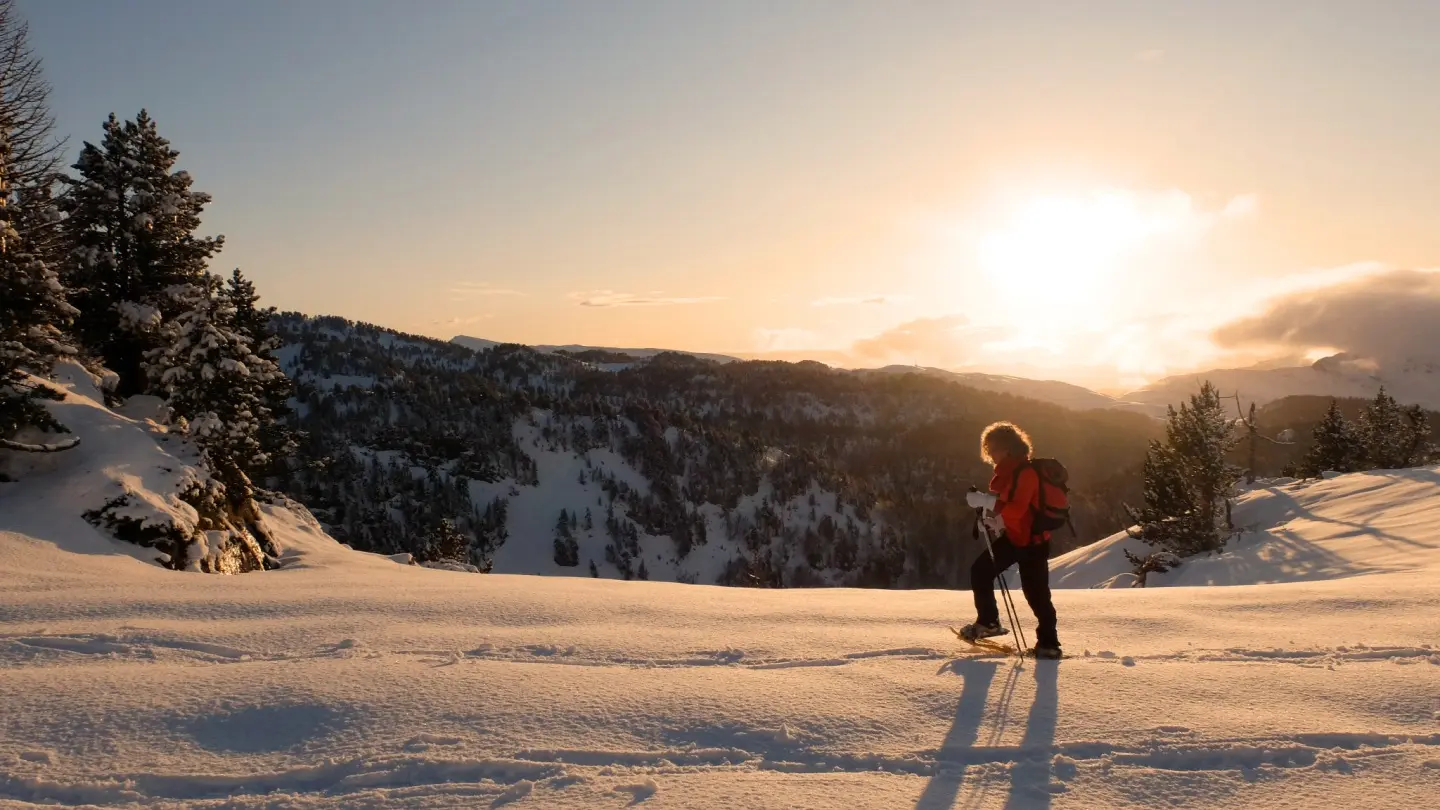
(1011, 503)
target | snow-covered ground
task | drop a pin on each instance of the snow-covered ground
(345, 679)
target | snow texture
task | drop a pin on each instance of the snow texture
(347, 679)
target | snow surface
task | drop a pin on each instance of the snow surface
(347, 679)
(1385, 521)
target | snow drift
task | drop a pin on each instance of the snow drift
(130, 487)
(1386, 521)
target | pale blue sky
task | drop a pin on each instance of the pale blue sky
(734, 162)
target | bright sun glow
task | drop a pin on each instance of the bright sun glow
(1054, 255)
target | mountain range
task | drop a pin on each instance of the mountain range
(1341, 375)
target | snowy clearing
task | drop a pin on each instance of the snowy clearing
(344, 679)
(347, 679)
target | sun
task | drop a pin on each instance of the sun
(1055, 255)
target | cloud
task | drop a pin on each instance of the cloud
(1244, 205)
(1150, 55)
(945, 341)
(459, 321)
(785, 339)
(609, 298)
(466, 289)
(1393, 315)
(874, 300)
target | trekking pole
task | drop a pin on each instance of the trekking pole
(1004, 586)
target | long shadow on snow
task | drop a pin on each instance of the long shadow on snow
(1030, 776)
(941, 790)
(1294, 510)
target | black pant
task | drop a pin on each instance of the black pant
(1034, 581)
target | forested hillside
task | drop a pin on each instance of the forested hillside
(752, 473)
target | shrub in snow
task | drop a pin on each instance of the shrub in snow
(184, 513)
(1156, 561)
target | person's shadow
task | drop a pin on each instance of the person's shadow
(941, 790)
(1030, 775)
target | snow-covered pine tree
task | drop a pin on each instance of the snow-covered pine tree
(33, 312)
(445, 542)
(277, 441)
(214, 380)
(1188, 482)
(1336, 445)
(131, 224)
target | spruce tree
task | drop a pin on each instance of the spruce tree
(33, 313)
(446, 542)
(1418, 432)
(131, 223)
(214, 381)
(1336, 446)
(277, 441)
(1188, 482)
(567, 550)
(1385, 433)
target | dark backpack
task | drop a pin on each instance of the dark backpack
(1051, 509)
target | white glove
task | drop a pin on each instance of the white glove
(995, 524)
(980, 500)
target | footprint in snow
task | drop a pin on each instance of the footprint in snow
(640, 792)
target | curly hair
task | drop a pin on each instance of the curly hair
(1007, 436)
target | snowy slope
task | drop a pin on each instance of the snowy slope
(344, 679)
(1386, 521)
(1411, 382)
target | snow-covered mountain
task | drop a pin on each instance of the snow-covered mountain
(1415, 381)
(347, 679)
(672, 468)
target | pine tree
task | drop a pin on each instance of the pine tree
(1336, 446)
(446, 542)
(131, 223)
(643, 572)
(214, 381)
(1385, 433)
(33, 312)
(567, 550)
(594, 572)
(276, 439)
(1188, 482)
(1418, 432)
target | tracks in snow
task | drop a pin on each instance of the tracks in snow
(508, 779)
(39, 649)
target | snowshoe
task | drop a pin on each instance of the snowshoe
(1050, 653)
(977, 631)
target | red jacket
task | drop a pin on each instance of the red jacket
(1016, 512)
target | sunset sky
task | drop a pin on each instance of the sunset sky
(1081, 191)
